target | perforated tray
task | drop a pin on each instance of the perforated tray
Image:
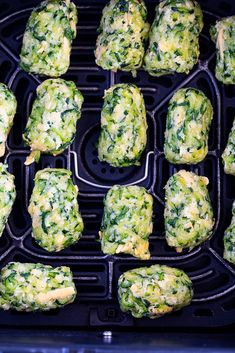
(96, 274)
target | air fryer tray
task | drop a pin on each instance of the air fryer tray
(96, 274)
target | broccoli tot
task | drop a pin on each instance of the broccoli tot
(188, 122)
(229, 153)
(127, 221)
(31, 287)
(8, 106)
(123, 33)
(123, 134)
(223, 34)
(188, 212)
(154, 291)
(53, 207)
(48, 38)
(174, 38)
(51, 126)
(7, 195)
(229, 239)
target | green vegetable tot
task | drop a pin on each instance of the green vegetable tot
(188, 122)
(7, 195)
(123, 33)
(123, 134)
(8, 106)
(174, 37)
(229, 153)
(127, 221)
(188, 212)
(48, 38)
(53, 207)
(154, 291)
(229, 239)
(31, 287)
(223, 34)
(51, 126)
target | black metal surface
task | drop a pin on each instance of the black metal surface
(96, 274)
(108, 342)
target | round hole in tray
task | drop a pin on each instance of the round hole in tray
(101, 170)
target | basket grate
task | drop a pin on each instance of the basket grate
(96, 274)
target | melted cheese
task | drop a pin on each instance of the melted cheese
(220, 42)
(205, 180)
(189, 177)
(36, 217)
(54, 118)
(179, 115)
(159, 312)
(44, 46)
(165, 44)
(56, 294)
(2, 149)
(31, 158)
(190, 211)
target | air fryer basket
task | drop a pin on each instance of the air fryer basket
(96, 274)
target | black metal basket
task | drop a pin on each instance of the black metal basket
(96, 274)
